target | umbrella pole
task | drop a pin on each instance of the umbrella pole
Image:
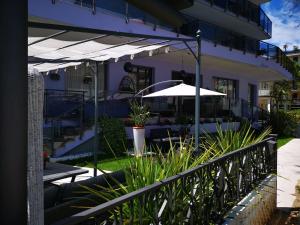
(197, 100)
(96, 138)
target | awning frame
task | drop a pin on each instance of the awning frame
(62, 29)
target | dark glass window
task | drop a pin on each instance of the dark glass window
(138, 78)
(226, 86)
(188, 78)
(251, 94)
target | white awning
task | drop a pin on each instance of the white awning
(61, 50)
(182, 90)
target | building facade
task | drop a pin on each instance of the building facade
(265, 87)
(234, 58)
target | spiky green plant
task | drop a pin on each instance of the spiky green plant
(225, 141)
(144, 171)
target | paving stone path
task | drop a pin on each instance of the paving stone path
(288, 170)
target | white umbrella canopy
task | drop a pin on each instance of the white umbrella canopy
(182, 90)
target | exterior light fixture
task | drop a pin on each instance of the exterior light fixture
(116, 59)
(54, 76)
(150, 53)
(132, 56)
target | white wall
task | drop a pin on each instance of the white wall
(163, 71)
(55, 84)
(45, 11)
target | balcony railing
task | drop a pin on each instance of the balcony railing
(264, 92)
(202, 195)
(246, 9)
(242, 8)
(232, 40)
(120, 7)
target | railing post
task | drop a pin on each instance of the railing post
(268, 51)
(94, 7)
(197, 100)
(226, 6)
(272, 146)
(274, 136)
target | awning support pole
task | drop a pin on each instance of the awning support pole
(96, 138)
(197, 100)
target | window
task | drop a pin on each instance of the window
(81, 78)
(264, 85)
(188, 78)
(251, 94)
(227, 86)
(138, 78)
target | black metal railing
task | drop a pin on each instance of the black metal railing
(243, 8)
(202, 195)
(58, 102)
(233, 40)
(122, 8)
(246, 9)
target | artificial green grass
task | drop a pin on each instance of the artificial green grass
(283, 140)
(112, 164)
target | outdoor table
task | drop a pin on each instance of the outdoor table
(164, 143)
(58, 171)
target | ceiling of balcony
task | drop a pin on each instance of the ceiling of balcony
(258, 2)
(215, 15)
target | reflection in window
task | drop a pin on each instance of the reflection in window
(226, 86)
(138, 78)
(187, 78)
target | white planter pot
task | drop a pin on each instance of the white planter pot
(138, 140)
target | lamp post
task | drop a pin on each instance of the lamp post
(197, 99)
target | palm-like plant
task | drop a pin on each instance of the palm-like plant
(229, 140)
(280, 91)
(139, 115)
(144, 171)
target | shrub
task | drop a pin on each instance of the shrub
(113, 135)
(283, 123)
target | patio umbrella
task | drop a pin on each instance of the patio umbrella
(182, 90)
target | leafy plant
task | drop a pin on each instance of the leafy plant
(139, 115)
(280, 92)
(183, 119)
(283, 123)
(113, 135)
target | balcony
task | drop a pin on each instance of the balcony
(232, 40)
(265, 93)
(243, 17)
(247, 10)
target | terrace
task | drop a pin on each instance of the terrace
(202, 191)
(226, 177)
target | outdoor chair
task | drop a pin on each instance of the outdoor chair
(160, 138)
(68, 199)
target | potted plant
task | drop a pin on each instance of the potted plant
(139, 117)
